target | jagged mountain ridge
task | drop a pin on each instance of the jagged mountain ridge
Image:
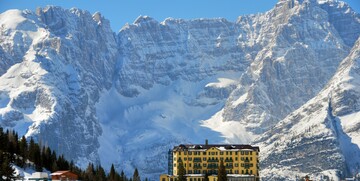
(139, 86)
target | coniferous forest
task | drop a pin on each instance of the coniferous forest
(27, 153)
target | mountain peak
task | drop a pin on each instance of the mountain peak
(144, 19)
(12, 18)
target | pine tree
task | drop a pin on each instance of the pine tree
(181, 172)
(122, 176)
(112, 173)
(23, 151)
(100, 174)
(37, 158)
(2, 139)
(6, 170)
(136, 176)
(47, 162)
(222, 172)
(53, 159)
(90, 172)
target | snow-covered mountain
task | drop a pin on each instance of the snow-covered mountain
(323, 134)
(275, 79)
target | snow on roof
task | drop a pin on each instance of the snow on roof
(195, 175)
(60, 172)
(220, 147)
(239, 175)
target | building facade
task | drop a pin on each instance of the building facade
(241, 161)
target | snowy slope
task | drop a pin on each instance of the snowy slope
(322, 134)
(50, 91)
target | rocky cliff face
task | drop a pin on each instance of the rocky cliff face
(325, 128)
(69, 81)
(274, 84)
(56, 76)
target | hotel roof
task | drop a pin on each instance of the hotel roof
(222, 147)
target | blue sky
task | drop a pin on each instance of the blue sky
(120, 12)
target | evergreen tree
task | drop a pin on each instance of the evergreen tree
(100, 174)
(222, 172)
(112, 174)
(37, 158)
(6, 171)
(136, 176)
(23, 151)
(2, 139)
(46, 155)
(54, 166)
(122, 176)
(90, 172)
(181, 172)
(53, 160)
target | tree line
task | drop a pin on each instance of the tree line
(27, 153)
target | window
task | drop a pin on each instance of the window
(236, 164)
(230, 152)
(250, 171)
(236, 158)
(189, 164)
(250, 158)
(190, 153)
(236, 171)
(242, 171)
(190, 159)
(179, 152)
(204, 153)
(221, 153)
(227, 153)
(204, 165)
(174, 164)
(163, 179)
(195, 153)
(204, 158)
(185, 152)
(242, 153)
(250, 152)
(246, 153)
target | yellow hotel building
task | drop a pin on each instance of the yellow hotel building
(241, 162)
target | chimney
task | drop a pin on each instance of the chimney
(206, 142)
